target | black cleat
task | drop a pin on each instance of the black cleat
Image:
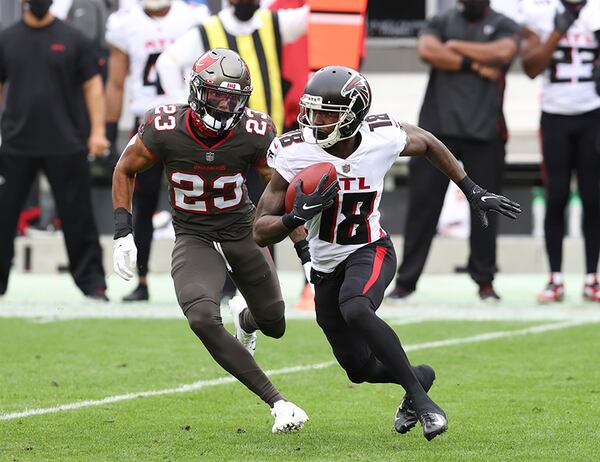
(140, 294)
(434, 423)
(98, 295)
(400, 294)
(406, 417)
(487, 292)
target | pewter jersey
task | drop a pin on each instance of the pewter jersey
(568, 87)
(353, 220)
(207, 183)
(143, 38)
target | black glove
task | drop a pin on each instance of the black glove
(596, 76)
(302, 251)
(306, 206)
(564, 20)
(483, 201)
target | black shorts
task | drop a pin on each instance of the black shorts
(365, 273)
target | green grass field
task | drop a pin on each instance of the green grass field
(512, 390)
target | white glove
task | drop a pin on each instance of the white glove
(125, 256)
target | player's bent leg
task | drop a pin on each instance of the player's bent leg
(255, 275)
(198, 275)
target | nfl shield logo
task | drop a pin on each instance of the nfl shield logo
(346, 168)
(210, 156)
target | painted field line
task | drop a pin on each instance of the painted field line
(287, 370)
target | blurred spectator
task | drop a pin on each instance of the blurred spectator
(52, 76)
(138, 35)
(469, 48)
(256, 34)
(561, 42)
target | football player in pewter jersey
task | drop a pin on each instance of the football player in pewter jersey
(352, 257)
(206, 148)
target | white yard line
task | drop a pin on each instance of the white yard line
(288, 370)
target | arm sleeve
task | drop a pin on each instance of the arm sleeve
(293, 23)
(148, 135)
(435, 26)
(176, 61)
(87, 59)
(265, 142)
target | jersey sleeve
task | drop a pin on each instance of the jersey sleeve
(264, 142)
(526, 15)
(2, 64)
(87, 58)
(399, 138)
(276, 159)
(590, 15)
(293, 23)
(117, 31)
(507, 28)
(148, 135)
(435, 26)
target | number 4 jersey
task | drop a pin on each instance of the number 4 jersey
(143, 38)
(353, 220)
(207, 182)
(568, 85)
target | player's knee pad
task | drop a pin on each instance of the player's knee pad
(272, 325)
(356, 311)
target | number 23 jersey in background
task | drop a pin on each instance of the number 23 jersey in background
(568, 86)
(354, 219)
(143, 38)
(207, 183)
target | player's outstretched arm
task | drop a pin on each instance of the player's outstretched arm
(135, 159)
(268, 225)
(421, 142)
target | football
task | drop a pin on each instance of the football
(310, 177)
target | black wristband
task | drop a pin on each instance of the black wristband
(123, 223)
(465, 66)
(291, 221)
(302, 251)
(468, 187)
(112, 130)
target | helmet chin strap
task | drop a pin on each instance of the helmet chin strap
(201, 127)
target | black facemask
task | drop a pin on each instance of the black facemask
(39, 8)
(575, 6)
(245, 11)
(473, 10)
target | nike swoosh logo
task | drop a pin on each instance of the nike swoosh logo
(308, 207)
(483, 198)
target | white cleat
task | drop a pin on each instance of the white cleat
(288, 417)
(248, 340)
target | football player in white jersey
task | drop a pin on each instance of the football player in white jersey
(352, 256)
(138, 34)
(561, 43)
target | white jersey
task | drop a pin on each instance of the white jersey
(143, 38)
(353, 221)
(568, 86)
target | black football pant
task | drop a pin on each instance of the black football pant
(199, 268)
(571, 143)
(364, 345)
(484, 163)
(69, 178)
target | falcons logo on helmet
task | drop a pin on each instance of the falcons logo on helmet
(357, 84)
